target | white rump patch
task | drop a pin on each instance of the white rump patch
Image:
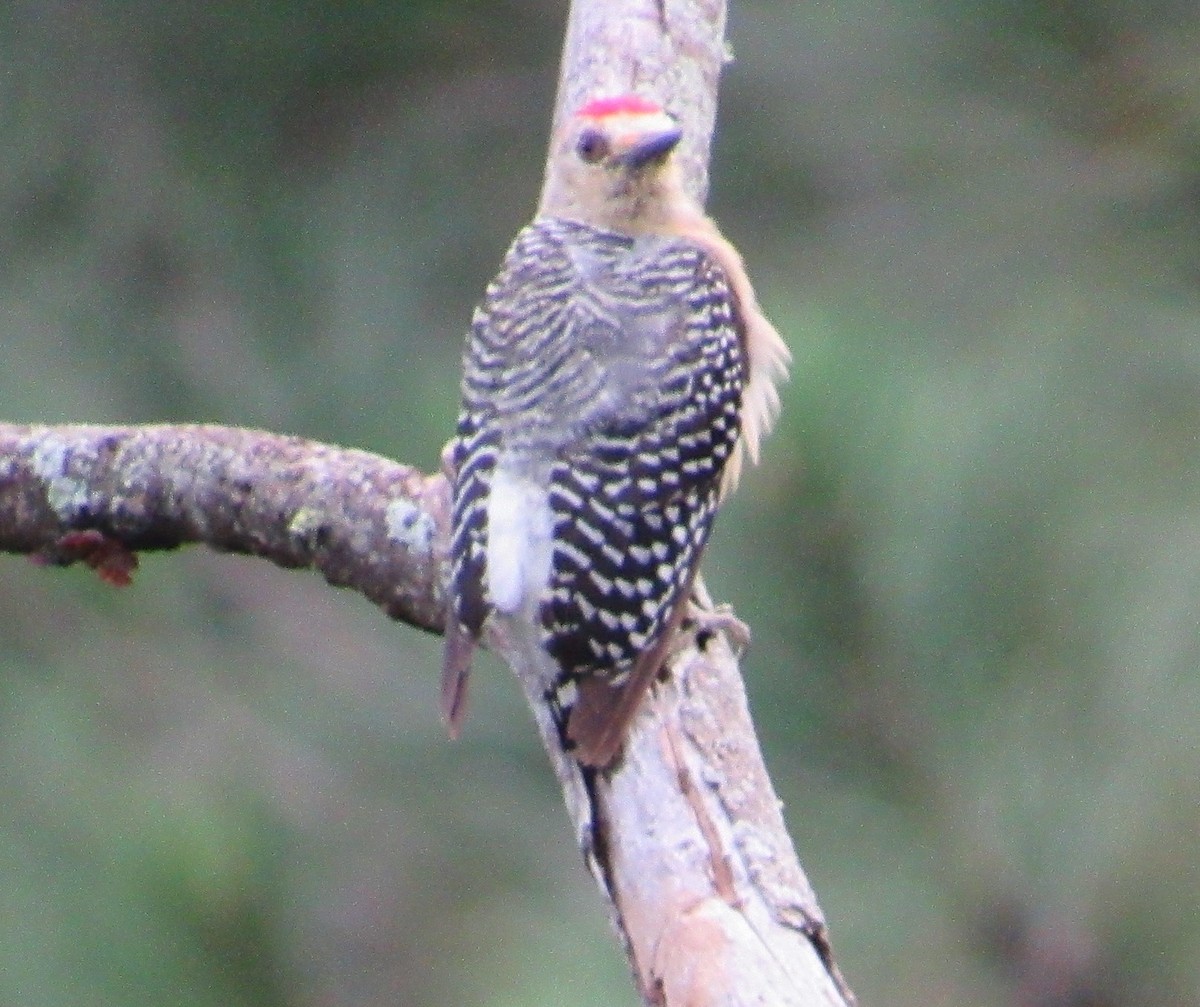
(520, 527)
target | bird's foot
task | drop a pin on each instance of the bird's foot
(704, 620)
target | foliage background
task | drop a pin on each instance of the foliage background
(971, 559)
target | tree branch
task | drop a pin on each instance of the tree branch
(685, 834)
(364, 522)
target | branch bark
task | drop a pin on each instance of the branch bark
(361, 520)
(685, 834)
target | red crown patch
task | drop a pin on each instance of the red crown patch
(622, 104)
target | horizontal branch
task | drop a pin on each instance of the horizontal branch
(361, 520)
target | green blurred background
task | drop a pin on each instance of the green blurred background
(971, 559)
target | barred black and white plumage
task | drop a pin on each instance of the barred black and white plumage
(609, 370)
(615, 374)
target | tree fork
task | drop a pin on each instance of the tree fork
(685, 835)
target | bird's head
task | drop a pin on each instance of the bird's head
(612, 165)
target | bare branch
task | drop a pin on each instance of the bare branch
(685, 834)
(364, 522)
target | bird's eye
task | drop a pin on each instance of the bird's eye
(591, 146)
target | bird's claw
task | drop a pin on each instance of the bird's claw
(704, 620)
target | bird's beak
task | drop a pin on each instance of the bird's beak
(648, 147)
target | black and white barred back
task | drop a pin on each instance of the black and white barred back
(613, 366)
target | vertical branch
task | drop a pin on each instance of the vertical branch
(685, 835)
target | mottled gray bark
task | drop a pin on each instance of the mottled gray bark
(364, 522)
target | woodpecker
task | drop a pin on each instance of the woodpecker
(615, 375)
